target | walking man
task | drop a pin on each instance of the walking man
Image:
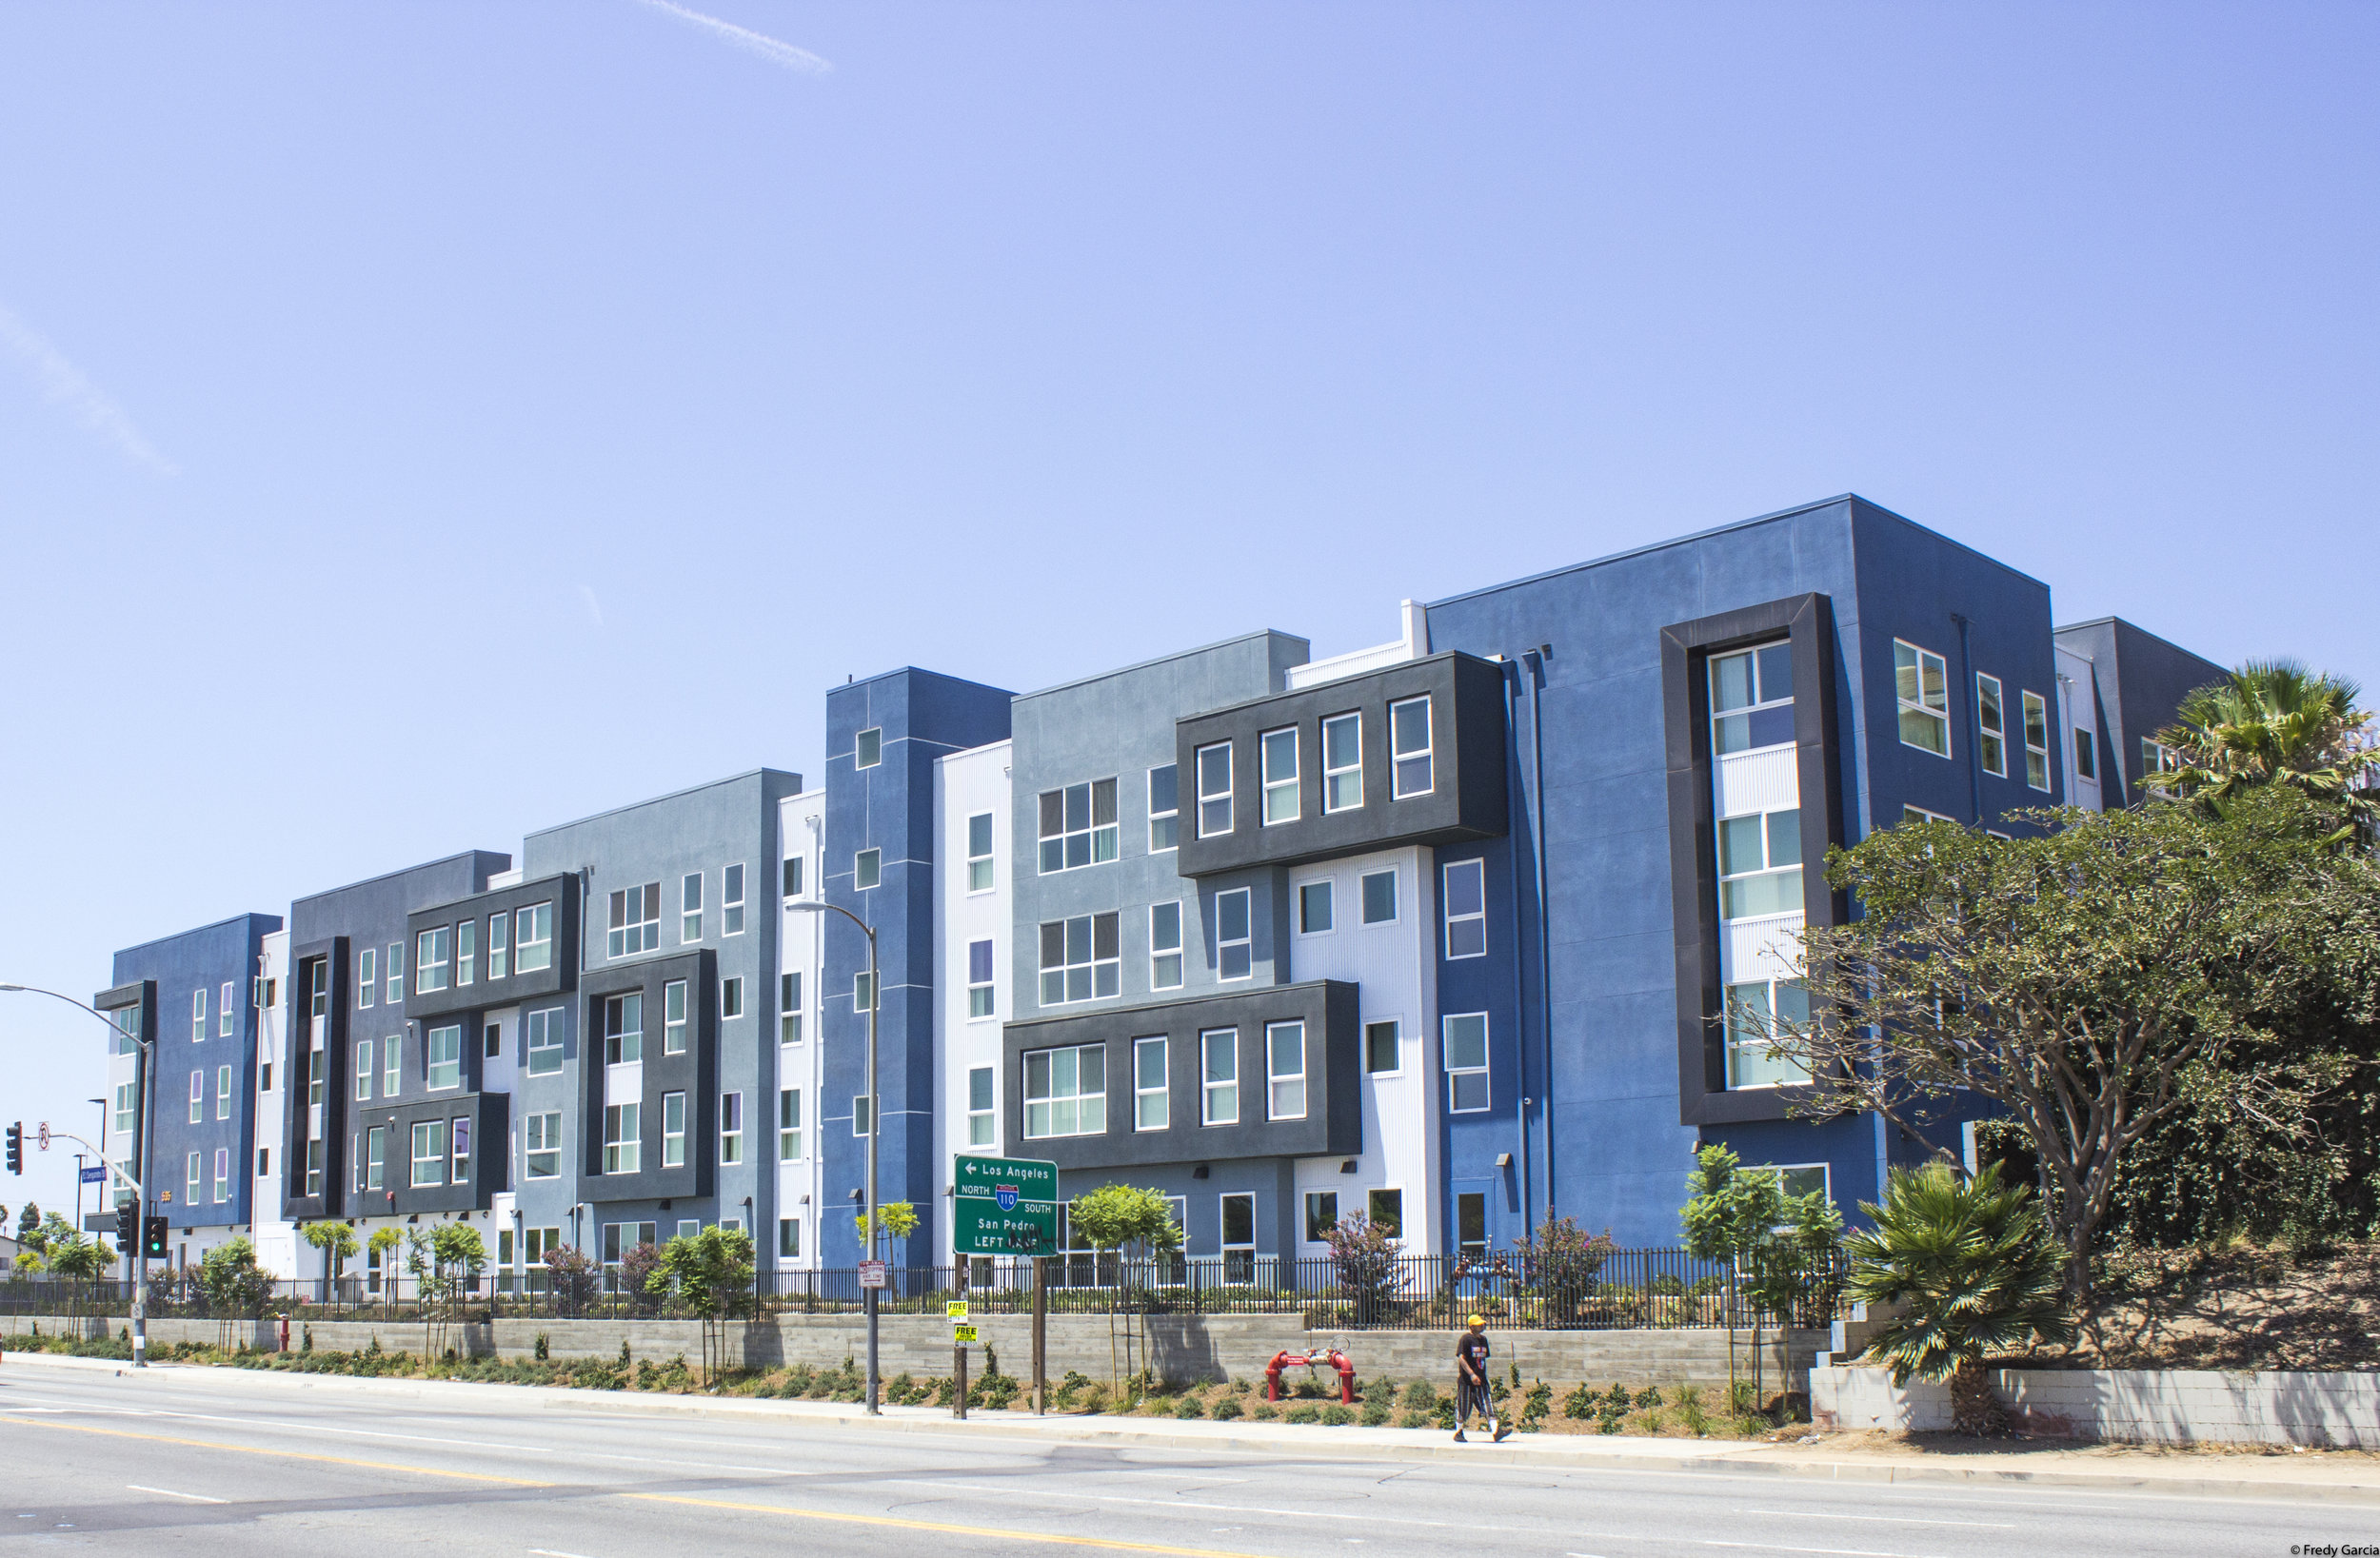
(1471, 1383)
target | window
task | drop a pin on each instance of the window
(1276, 755)
(1922, 682)
(1410, 766)
(466, 952)
(313, 1080)
(731, 901)
(198, 1017)
(499, 944)
(635, 922)
(190, 1179)
(1078, 825)
(1751, 698)
(1082, 958)
(441, 1048)
(1471, 1241)
(1466, 908)
(198, 1096)
(431, 954)
(867, 869)
(673, 1129)
(2036, 740)
(980, 853)
(690, 908)
(1151, 1098)
(1164, 808)
(978, 980)
(1218, 1055)
(790, 876)
(980, 1129)
(264, 1162)
(318, 982)
(313, 1168)
(1380, 897)
(545, 1042)
(459, 1133)
(264, 1076)
(618, 1238)
(1388, 1211)
(223, 1093)
(544, 1142)
(1238, 1238)
(2157, 758)
(1794, 1179)
(362, 1070)
(859, 1111)
(492, 1041)
(863, 992)
(788, 1124)
(731, 1127)
(1213, 764)
(1234, 943)
(223, 1174)
(1165, 946)
(731, 997)
(429, 1153)
(2086, 757)
(1752, 1011)
(624, 1029)
(1065, 1092)
(128, 1024)
(533, 940)
(1760, 864)
(789, 1237)
(1285, 1071)
(623, 1146)
(1992, 721)
(1313, 907)
(367, 975)
(391, 1065)
(1918, 816)
(868, 749)
(223, 1016)
(1465, 1053)
(673, 1016)
(1321, 1215)
(789, 1008)
(1383, 1051)
(1342, 762)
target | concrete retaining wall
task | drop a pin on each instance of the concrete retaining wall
(2133, 1405)
(1185, 1348)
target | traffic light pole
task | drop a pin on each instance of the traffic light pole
(132, 1248)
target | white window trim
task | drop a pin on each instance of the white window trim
(1249, 941)
(1449, 919)
(876, 731)
(1225, 795)
(1179, 952)
(1397, 790)
(1485, 1069)
(1208, 1087)
(990, 983)
(732, 894)
(877, 856)
(1363, 1031)
(1297, 896)
(1156, 816)
(730, 994)
(1989, 733)
(730, 1103)
(691, 883)
(1267, 782)
(1950, 740)
(1275, 1078)
(2028, 704)
(990, 856)
(1397, 892)
(1163, 1088)
(1356, 768)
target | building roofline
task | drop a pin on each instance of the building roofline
(2113, 620)
(215, 925)
(401, 871)
(918, 671)
(673, 795)
(1161, 660)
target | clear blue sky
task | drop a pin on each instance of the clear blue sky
(368, 371)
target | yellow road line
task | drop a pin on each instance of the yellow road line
(259, 1449)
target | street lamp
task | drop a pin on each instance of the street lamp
(875, 994)
(139, 1278)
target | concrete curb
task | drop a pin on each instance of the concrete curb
(1699, 1457)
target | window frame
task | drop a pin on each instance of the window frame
(1170, 816)
(675, 1018)
(1160, 952)
(1336, 799)
(982, 984)
(433, 952)
(1733, 1043)
(540, 1136)
(432, 1066)
(1400, 758)
(1210, 1084)
(1769, 830)
(867, 748)
(731, 899)
(1992, 725)
(1213, 804)
(730, 998)
(198, 1015)
(789, 1125)
(790, 1007)
(367, 976)
(1143, 1092)
(623, 1137)
(731, 1129)
(1086, 1100)
(867, 870)
(1484, 1069)
(1057, 806)
(1275, 1079)
(392, 975)
(983, 1118)
(1329, 889)
(2036, 719)
(2084, 764)
(531, 1050)
(1363, 897)
(618, 1041)
(1093, 967)
(499, 945)
(434, 1134)
(392, 1065)
(1396, 1035)
(223, 1004)
(1245, 941)
(364, 1071)
(1449, 919)
(1290, 739)
(982, 875)
(539, 917)
(1937, 716)
(690, 908)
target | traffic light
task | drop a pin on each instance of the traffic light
(127, 1225)
(16, 1148)
(153, 1238)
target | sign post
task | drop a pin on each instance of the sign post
(1009, 1206)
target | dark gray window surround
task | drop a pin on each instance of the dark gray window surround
(695, 1073)
(1808, 622)
(559, 975)
(491, 1114)
(1466, 800)
(1334, 1121)
(295, 1204)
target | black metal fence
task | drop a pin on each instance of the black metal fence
(1618, 1290)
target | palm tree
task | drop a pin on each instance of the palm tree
(2274, 722)
(1968, 1261)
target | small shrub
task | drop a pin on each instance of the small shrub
(1422, 1396)
(1337, 1416)
(1262, 1412)
(1376, 1413)
(1540, 1402)
(1653, 1422)
(1413, 1420)
(1579, 1405)
(624, 1352)
(1607, 1424)
(1227, 1408)
(1443, 1415)
(1650, 1396)
(1301, 1415)
(1616, 1399)
(544, 1345)
(1189, 1408)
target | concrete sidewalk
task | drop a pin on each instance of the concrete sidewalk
(2319, 1477)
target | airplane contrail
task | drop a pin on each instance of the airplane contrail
(745, 38)
(63, 385)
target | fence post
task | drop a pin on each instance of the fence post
(1041, 1335)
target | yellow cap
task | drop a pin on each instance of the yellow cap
(1477, 1321)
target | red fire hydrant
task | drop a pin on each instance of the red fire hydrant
(1333, 1358)
(284, 1334)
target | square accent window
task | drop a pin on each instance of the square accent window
(1214, 764)
(1465, 1053)
(789, 876)
(690, 908)
(789, 1008)
(441, 1048)
(1411, 767)
(1321, 1215)
(1751, 698)
(1151, 1097)
(533, 938)
(1164, 808)
(545, 1041)
(1921, 682)
(635, 922)
(1342, 762)
(731, 997)
(543, 1145)
(1219, 1062)
(1082, 958)
(1466, 908)
(978, 980)
(674, 1017)
(1387, 1208)
(2086, 757)
(867, 869)
(1278, 753)
(1752, 1011)
(2036, 740)
(788, 1125)
(1313, 907)
(731, 899)
(624, 1029)
(1285, 1071)
(868, 749)
(1065, 1092)
(1380, 897)
(1760, 864)
(982, 1130)
(431, 958)
(1165, 946)
(499, 945)
(980, 853)
(1235, 941)
(1382, 1047)
(1078, 826)
(1991, 725)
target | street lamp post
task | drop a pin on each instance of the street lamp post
(875, 996)
(134, 1274)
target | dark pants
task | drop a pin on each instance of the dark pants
(1471, 1396)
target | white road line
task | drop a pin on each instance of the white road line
(194, 1498)
(1368, 1517)
(1894, 1520)
(1844, 1552)
(552, 1552)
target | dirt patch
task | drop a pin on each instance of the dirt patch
(2237, 1307)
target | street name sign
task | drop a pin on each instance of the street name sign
(1004, 1206)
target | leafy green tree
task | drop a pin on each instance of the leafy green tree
(711, 1273)
(384, 1243)
(1729, 1213)
(2274, 722)
(1112, 1219)
(1970, 1261)
(898, 1217)
(445, 1262)
(29, 1226)
(1559, 1262)
(76, 1256)
(235, 1286)
(336, 1240)
(572, 1280)
(2090, 981)
(1364, 1257)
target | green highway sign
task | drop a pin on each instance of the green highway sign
(1004, 1206)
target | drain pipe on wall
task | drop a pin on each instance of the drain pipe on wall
(1516, 782)
(1537, 659)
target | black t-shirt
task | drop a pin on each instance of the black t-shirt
(1474, 1351)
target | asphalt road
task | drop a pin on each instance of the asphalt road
(189, 1463)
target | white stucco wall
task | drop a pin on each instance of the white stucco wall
(2127, 1404)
